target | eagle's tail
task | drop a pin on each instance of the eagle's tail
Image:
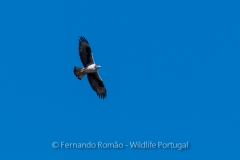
(79, 72)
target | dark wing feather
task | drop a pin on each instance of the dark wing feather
(97, 84)
(85, 52)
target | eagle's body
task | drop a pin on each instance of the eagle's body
(90, 68)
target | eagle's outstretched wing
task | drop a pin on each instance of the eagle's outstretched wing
(85, 52)
(97, 84)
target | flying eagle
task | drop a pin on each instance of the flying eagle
(90, 68)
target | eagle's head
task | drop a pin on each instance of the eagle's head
(97, 66)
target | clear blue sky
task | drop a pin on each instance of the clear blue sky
(171, 69)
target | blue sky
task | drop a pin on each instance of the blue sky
(171, 69)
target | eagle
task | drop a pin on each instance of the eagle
(90, 68)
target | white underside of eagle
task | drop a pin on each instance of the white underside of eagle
(90, 68)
